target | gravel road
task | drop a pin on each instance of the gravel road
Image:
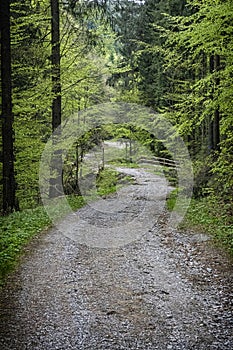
(158, 289)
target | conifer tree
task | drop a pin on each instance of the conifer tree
(9, 183)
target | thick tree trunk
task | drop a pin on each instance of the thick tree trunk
(56, 162)
(9, 183)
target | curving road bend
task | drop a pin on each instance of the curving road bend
(157, 289)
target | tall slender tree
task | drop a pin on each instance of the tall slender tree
(56, 65)
(9, 183)
(56, 163)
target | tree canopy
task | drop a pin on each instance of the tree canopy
(174, 56)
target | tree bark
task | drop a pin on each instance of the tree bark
(216, 121)
(9, 183)
(56, 75)
(56, 161)
(214, 124)
(211, 128)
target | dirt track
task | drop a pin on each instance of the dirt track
(163, 289)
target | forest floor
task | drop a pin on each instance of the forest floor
(151, 287)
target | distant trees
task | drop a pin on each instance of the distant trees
(179, 61)
(139, 24)
(172, 55)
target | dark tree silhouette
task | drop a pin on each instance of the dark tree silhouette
(56, 164)
(9, 183)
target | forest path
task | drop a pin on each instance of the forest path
(164, 289)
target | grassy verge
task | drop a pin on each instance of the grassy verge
(208, 215)
(121, 162)
(107, 182)
(171, 200)
(18, 228)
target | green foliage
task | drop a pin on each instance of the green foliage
(76, 202)
(85, 68)
(160, 56)
(171, 199)
(199, 89)
(19, 228)
(182, 66)
(30, 134)
(106, 182)
(123, 162)
(213, 217)
(199, 61)
(16, 230)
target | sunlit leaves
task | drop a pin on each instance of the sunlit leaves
(206, 87)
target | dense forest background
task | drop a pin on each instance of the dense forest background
(174, 56)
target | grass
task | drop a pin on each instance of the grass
(107, 182)
(211, 216)
(18, 228)
(171, 200)
(120, 162)
(76, 202)
(208, 215)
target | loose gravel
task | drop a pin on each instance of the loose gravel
(164, 289)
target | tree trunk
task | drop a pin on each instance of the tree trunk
(214, 125)
(211, 136)
(216, 121)
(9, 183)
(56, 76)
(56, 162)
